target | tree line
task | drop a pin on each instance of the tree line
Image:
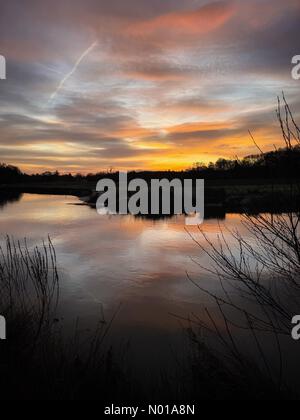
(281, 163)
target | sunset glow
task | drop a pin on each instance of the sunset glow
(143, 85)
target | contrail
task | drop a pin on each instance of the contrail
(67, 76)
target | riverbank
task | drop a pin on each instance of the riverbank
(223, 196)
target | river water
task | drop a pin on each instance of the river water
(136, 269)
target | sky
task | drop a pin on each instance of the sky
(143, 84)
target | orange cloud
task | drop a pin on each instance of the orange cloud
(199, 126)
(205, 19)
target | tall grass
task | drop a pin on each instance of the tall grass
(259, 289)
(37, 361)
(29, 284)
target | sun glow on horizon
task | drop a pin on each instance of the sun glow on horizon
(161, 86)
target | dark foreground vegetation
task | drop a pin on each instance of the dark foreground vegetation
(38, 362)
(260, 282)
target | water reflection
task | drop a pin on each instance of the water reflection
(9, 197)
(108, 260)
(210, 212)
(140, 263)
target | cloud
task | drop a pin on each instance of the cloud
(170, 82)
(185, 23)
